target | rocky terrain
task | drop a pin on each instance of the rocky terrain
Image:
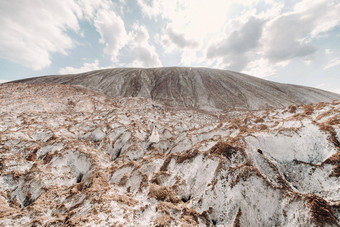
(70, 156)
(201, 88)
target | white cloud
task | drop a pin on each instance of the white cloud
(84, 68)
(260, 68)
(336, 90)
(32, 30)
(152, 10)
(307, 62)
(274, 10)
(188, 22)
(112, 31)
(257, 36)
(282, 39)
(140, 49)
(328, 87)
(235, 49)
(329, 51)
(322, 85)
(179, 39)
(109, 25)
(262, 42)
(324, 14)
(239, 41)
(196, 24)
(334, 62)
(3, 81)
(289, 35)
(188, 57)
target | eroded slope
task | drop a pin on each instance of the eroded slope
(201, 88)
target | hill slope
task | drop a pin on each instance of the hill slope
(201, 88)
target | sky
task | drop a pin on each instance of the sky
(287, 41)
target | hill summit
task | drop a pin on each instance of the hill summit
(199, 88)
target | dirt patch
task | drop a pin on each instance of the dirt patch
(292, 109)
(308, 109)
(190, 216)
(167, 208)
(262, 127)
(156, 179)
(321, 211)
(144, 182)
(205, 217)
(188, 155)
(77, 188)
(124, 199)
(48, 157)
(333, 138)
(258, 120)
(335, 172)
(162, 221)
(320, 105)
(124, 179)
(163, 193)
(167, 161)
(99, 180)
(246, 170)
(226, 150)
(333, 121)
(334, 160)
(237, 218)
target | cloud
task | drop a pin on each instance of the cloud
(112, 31)
(189, 57)
(289, 35)
(262, 42)
(283, 40)
(179, 39)
(3, 81)
(32, 30)
(329, 51)
(84, 68)
(258, 36)
(262, 67)
(187, 23)
(239, 41)
(336, 90)
(145, 57)
(110, 26)
(234, 49)
(334, 62)
(140, 49)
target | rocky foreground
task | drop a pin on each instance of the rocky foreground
(73, 157)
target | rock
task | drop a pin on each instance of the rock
(42, 136)
(98, 135)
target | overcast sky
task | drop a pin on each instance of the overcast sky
(286, 41)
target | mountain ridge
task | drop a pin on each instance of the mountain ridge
(200, 88)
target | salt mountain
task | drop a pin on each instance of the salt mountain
(201, 88)
(72, 156)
